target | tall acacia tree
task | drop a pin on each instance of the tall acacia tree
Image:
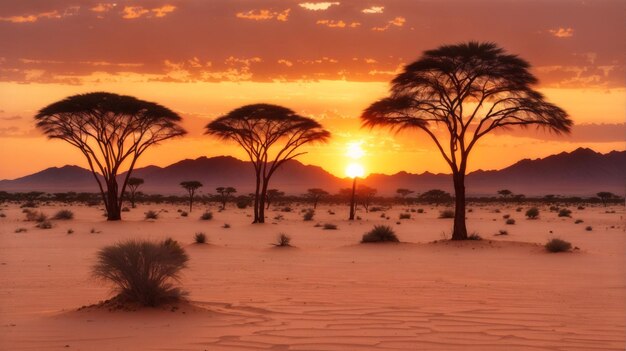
(191, 186)
(112, 131)
(133, 184)
(271, 135)
(457, 94)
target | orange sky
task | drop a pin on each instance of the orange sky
(324, 60)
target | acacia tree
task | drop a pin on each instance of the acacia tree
(273, 194)
(191, 186)
(315, 194)
(270, 135)
(133, 184)
(404, 193)
(605, 196)
(457, 94)
(111, 131)
(365, 194)
(505, 193)
(224, 193)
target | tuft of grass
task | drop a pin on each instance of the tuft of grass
(184, 214)
(283, 240)
(207, 216)
(578, 221)
(29, 204)
(70, 231)
(558, 245)
(564, 212)
(308, 215)
(588, 228)
(200, 238)
(21, 230)
(502, 232)
(405, 216)
(446, 214)
(380, 233)
(510, 221)
(34, 216)
(506, 216)
(226, 226)
(532, 213)
(286, 209)
(519, 209)
(143, 272)
(329, 226)
(581, 208)
(420, 210)
(64, 215)
(44, 225)
(151, 215)
(474, 236)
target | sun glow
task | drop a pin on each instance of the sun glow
(355, 170)
(355, 151)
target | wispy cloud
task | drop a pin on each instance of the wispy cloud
(338, 24)
(562, 32)
(318, 6)
(30, 18)
(374, 9)
(103, 7)
(264, 15)
(133, 12)
(396, 22)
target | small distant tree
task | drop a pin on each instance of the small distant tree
(133, 184)
(404, 193)
(315, 194)
(191, 186)
(258, 129)
(519, 197)
(365, 195)
(505, 193)
(224, 194)
(110, 131)
(605, 196)
(436, 196)
(273, 194)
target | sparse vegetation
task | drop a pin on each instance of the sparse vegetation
(502, 232)
(70, 231)
(283, 240)
(207, 216)
(532, 213)
(226, 226)
(558, 245)
(35, 216)
(308, 215)
(405, 216)
(184, 214)
(420, 210)
(578, 221)
(510, 221)
(329, 226)
(143, 272)
(588, 228)
(64, 215)
(151, 215)
(380, 233)
(21, 230)
(200, 238)
(46, 224)
(564, 212)
(446, 214)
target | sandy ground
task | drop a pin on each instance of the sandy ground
(328, 293)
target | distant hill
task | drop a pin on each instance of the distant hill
(581, 172)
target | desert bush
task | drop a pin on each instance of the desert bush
(242, 203)
(554, 208)
(226, 226)
(558, 245)
(564, 212)
(184, 213)
(29, 204)
(510, 221)
(278, 217)
(199, 238)
(506, 216)
(308, 215)
(581, 208)
(151, 215)
(331, 212)
(380, 233)
(64, 215)
(143, 272)
(519, 209)
(2, 215)
(283, 240)
(405, 216)
(502, 232)
(532, 213)
(497, 210)
(70, 231)
(470, 210)
(420, 210)
(21, 230)
(286, 209)
(34, 216)
(578, 221)
(446, 214)
(474, 236)
(376, 209)
(588, 228)
(329, 226)
(44, 224)
(207, 216)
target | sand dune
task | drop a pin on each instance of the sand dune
(328, 293)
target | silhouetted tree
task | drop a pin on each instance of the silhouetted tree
(505, 193)
(133, 184)
(191, 186)
(272, 194)
(605, 196)
(469, 89)
(111, 131)
(436, 196)
(404, 192)
(224, 194)
(365, 194)
(259, 129)
(315, 194)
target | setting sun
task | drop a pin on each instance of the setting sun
(355, 170)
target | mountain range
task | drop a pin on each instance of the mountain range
(582, 172)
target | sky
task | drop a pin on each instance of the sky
(325, 60)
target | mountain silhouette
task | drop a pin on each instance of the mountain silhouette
(582, 172)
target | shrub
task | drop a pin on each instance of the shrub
(588, 228)
(226, 226)
(446, 214)
(184, 214)
(497, 210)
(143, 272)
(532, 213)
(44, 224)
(242, 203)
(510, 221)
(2, 215)
(380, 233)
(564, 212)
(283, 240)
(331, 212)
(152, 215)
(376, 209)
(21, 230)
(581, 207)
(207, 216)
(554, 208)
(200, 238)
(34, 216)
(70, 231)
(420, 210)
(286, 209)
(405, 216)
(308, 215)
(519, 209)
(329, 226)
(125, 209)
(502, 232)
(29, 204)
(578, 221)
(474, 236)
(558, 245)
(64, 215)
(506, 216)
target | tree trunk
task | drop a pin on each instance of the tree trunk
(113, 208)
(314, 204)
(256, 197)
(459, 232)
(352, 201)
(262, 196)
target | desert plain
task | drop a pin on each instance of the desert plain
(328, 292)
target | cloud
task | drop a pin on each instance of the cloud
(103, 7)
(163, 10)
(285, 62)
(338, 24)
(264, 15)
(317, 6)
(12, 118)
(32, 17)
(373, 9)
(133, 12)
(396, 22)
(562, 32)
